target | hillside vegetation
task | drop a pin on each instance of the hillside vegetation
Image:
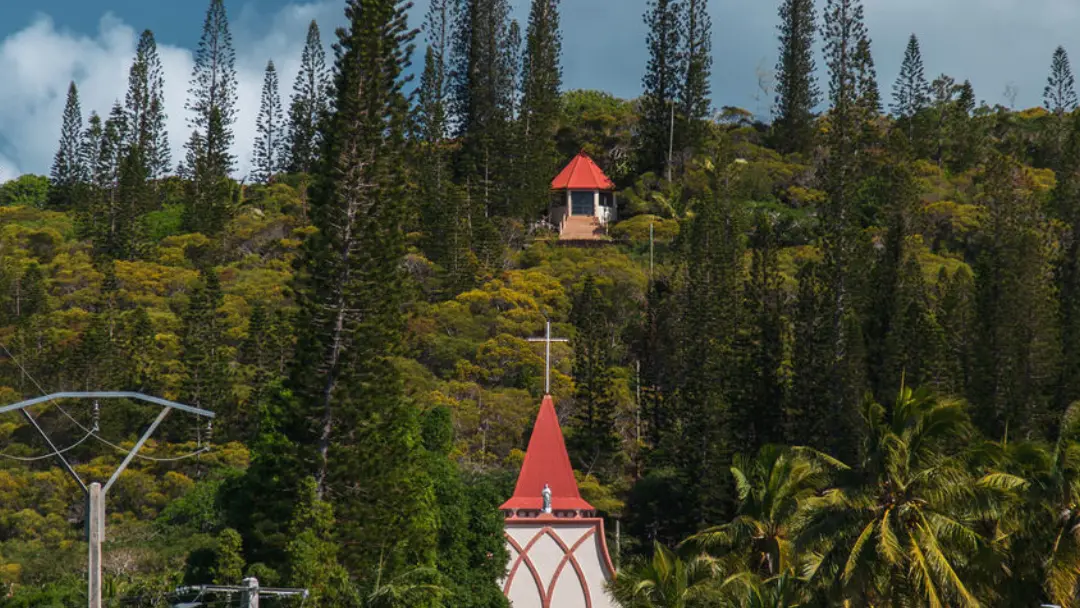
(840, 372)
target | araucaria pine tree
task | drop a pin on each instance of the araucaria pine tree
(851, 92)
(911, 94)
(445, 216)
(1017, 344)
(1066, 199)
(362, 435)
(269, 141)
(710, 429)
(145, 106)
(68, 170)
(310, 104)
(1059, 96)
(206, 368)
(661, 84)
(212, 102)
(796, 85)
(694, 102)
(540, 105)
(117, 194)
(593, 441)
(482, 97)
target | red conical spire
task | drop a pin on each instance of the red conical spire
(546, 462)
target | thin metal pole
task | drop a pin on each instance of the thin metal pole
(56, 451)
(618, 543)
(135, 450)
(671, 142)
(651, 247)
(547, 360)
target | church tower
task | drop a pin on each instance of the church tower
(558, 552)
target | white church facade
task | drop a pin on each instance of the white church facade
(558, 551)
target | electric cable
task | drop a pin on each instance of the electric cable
(91, 432)
(50, 454)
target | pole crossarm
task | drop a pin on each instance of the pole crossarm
(107, 395)
(95, 492)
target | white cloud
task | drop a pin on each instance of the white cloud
(38, 62)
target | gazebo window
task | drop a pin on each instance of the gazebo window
(607, 199)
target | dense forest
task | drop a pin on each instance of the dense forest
(827, 357)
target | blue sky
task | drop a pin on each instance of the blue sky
(46, 43)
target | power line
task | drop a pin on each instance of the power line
(90, 432)
(50, 454)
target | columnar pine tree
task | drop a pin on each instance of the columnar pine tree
(482, 97)
(1016, 337)
(709, 428)
(310, 104)
(68, 170)
(109, 219)
(661, 84)
(541, 105)
(90, 147)
(796, 85)
(901, 336)
(445, 219)
(769, 337)
(1059, 96)
(212, 101)
(956, 315)
(869, 95)
(694, 102)
(911, 93)
(1066, 200)
(942, 95)
(206, 368)
(268, 157)
(851, 91)
(145, 105)
(593, 442)
(965, 146)
(361, 434)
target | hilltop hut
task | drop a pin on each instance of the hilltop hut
(583, 201)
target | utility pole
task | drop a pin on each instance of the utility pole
(651, 245)
(95, 492)
(671, 142)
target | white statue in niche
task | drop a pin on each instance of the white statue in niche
(546, 494)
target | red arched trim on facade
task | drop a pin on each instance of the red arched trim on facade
(523, 556)
(603, 546)
(568, 556)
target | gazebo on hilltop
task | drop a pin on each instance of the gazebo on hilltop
(583, 201)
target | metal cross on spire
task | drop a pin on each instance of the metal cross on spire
(547, 339)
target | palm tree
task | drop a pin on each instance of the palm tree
(411, 587)
(668, 581)
(1044, 525)
(896, 532)
(771, 488)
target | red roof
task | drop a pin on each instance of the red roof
(582, 174)
(546, 462)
